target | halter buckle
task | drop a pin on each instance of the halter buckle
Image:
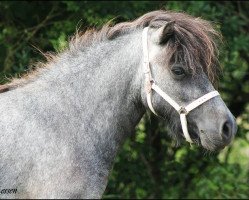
(152, 81)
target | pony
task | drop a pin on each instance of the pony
(62, 125)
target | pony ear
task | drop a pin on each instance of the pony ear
(164, 33)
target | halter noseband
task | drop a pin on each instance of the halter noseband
(150, 84)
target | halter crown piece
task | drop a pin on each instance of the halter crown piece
(150, 84)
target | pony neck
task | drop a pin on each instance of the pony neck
(102, 86)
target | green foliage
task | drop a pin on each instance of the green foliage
(148, 165)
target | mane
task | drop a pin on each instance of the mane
(195, 42)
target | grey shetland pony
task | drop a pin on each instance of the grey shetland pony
(61, 127)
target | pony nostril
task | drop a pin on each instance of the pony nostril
(226, 131)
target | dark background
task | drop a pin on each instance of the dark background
(148, 165)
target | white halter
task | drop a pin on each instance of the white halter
(150, 84)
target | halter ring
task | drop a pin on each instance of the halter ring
(183, 111)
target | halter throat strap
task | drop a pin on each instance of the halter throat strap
(151, 85)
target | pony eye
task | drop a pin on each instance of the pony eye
(178, 71)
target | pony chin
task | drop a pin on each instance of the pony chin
(176, 134)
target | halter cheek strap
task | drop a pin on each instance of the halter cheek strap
(150, 84)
